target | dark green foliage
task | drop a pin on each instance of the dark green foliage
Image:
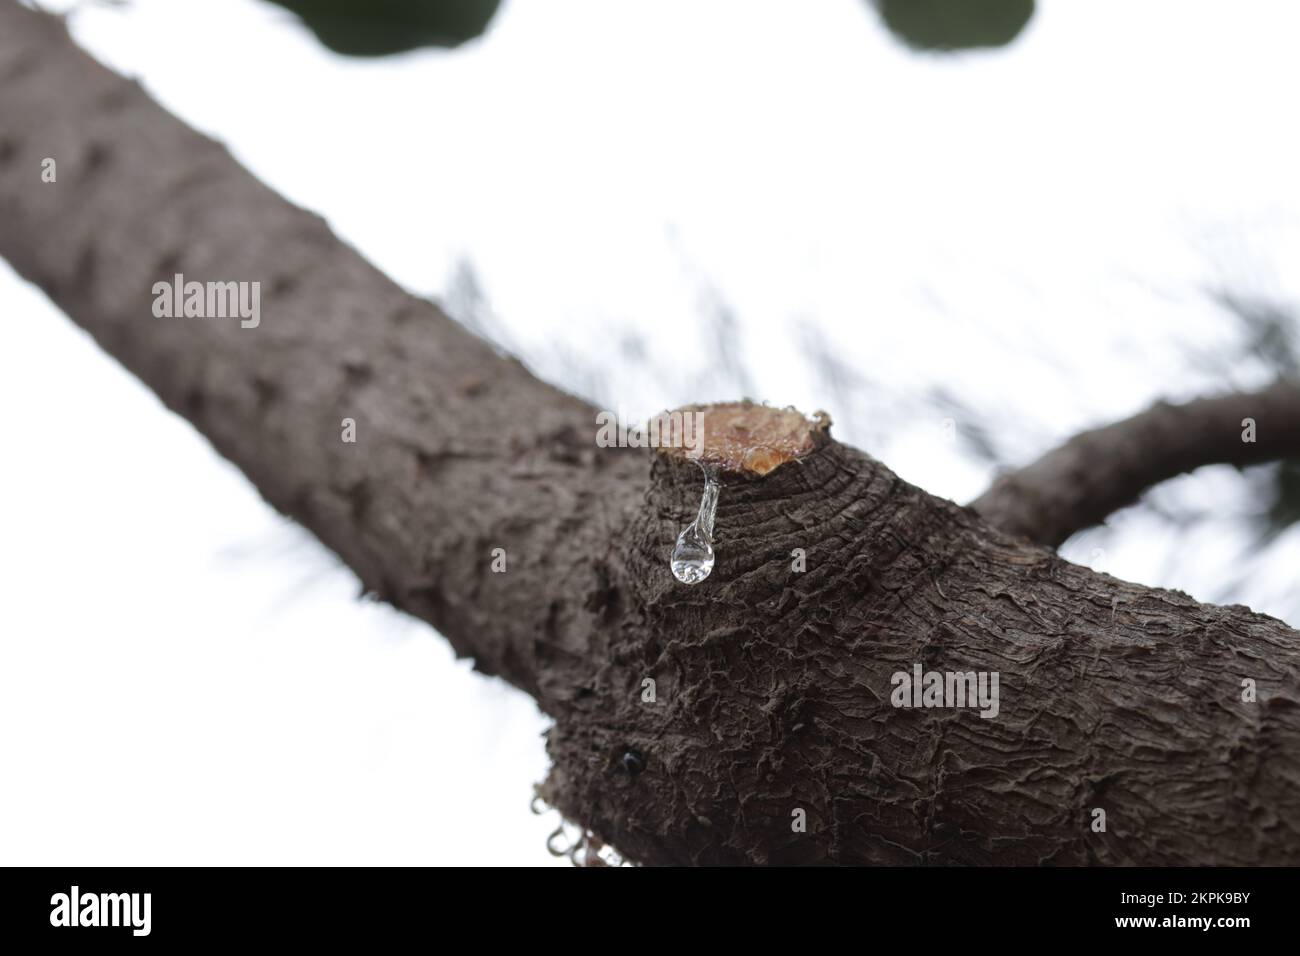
(955, 24)
(381, 27)
(1285, 510)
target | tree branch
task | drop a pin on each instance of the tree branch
(773, 677)
(451, 437)
(1100, 471)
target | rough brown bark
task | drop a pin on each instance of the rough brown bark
(772, 686)
(1100, 471)
(459, 450)
(775, 690)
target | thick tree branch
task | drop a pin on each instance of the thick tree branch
(1100, 471)
(451, 438)
(773, 680)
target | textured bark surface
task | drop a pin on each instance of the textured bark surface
(1100, 471)
(458, 449)
(774, 692)
(772, 685)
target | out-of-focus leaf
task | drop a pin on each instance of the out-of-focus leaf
(1285, 510)
(955, 24)
(1270, 329)
(382, 27)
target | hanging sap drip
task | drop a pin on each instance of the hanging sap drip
(693, 556)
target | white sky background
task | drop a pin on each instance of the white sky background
(185, 677)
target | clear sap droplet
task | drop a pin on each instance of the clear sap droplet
(693, 555)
